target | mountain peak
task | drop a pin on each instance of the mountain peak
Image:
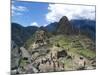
(64, 18)
(64, 26)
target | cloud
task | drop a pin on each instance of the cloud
(35, 24)
(56, 11)
(17, 10)
(21, 8)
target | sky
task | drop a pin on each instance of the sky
(42, 14)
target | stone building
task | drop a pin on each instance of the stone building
(40, 37)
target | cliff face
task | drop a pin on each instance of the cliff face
(64, 26)
(15, 56)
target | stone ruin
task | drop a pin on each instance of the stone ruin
(40, 37)
(45, 59)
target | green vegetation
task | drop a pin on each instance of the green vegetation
(76, 45)
(23, 62)
(87, 53)
(29, 42)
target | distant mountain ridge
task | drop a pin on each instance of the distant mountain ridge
(86, 27)
(20, 34)
(52, 27)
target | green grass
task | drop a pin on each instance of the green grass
(23, 62)
(29, 42)
(63, 41)
(76, 44)
(77, 47)
(87, 53)
(84, 52)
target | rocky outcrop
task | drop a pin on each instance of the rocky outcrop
(62, 53)
(25, 54)
(64, 26)
(15, 56)
(40, 37)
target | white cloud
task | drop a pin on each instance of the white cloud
(21, 8)
(44, 25)
(17, 10)
(34, 24)
(56, 11)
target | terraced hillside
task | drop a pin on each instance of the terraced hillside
(62, 53)
(62, 50)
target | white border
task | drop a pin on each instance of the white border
(88, 2)
(5, 39)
